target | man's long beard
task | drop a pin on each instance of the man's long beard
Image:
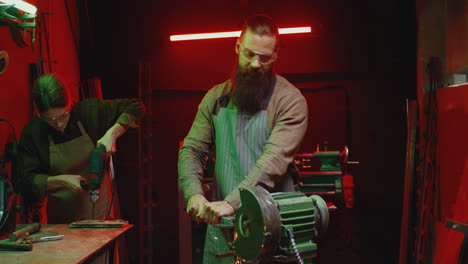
(250, 89)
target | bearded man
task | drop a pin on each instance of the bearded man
(256, 121)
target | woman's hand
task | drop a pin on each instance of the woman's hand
(68, 181)
(108, 140)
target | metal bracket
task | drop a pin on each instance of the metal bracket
(463, 257)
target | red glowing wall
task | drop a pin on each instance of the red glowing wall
(452, 157)
(54, 35)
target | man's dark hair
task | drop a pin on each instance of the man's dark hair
(49, 92)
(261, 24)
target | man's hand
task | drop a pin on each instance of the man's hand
(70, 182)
(213, 211)
(195, 205)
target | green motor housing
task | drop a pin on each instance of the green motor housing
(276, 227)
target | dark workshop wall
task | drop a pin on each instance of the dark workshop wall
(367, 48)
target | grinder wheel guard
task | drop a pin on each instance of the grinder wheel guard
(257, 224)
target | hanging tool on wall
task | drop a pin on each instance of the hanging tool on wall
(19, 17)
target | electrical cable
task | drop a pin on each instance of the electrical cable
(293, 244)
(15, 152)
(11, 126)
(113, 190)
(88, 50)
(70, 23)
(112, 186)
(46, 36)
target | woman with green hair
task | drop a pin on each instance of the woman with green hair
(56, 146)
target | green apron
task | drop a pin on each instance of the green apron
(239, 141)
(72, 157)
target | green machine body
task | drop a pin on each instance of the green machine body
(277, 227)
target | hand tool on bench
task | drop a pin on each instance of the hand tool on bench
(27, 230)
(14, 241)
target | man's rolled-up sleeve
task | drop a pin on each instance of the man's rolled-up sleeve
(195, 148)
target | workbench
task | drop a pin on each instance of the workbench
(77, 246)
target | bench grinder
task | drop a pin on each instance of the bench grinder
(275, 227)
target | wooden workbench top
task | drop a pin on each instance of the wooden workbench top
(76, 246)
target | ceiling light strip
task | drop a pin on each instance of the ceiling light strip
(233, 34)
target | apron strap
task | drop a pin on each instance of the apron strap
(82, 130)
(270, 93)
(222, 101)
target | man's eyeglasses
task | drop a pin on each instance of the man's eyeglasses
(262, 58)
(59, 118)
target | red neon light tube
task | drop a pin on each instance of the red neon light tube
(234, 34)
